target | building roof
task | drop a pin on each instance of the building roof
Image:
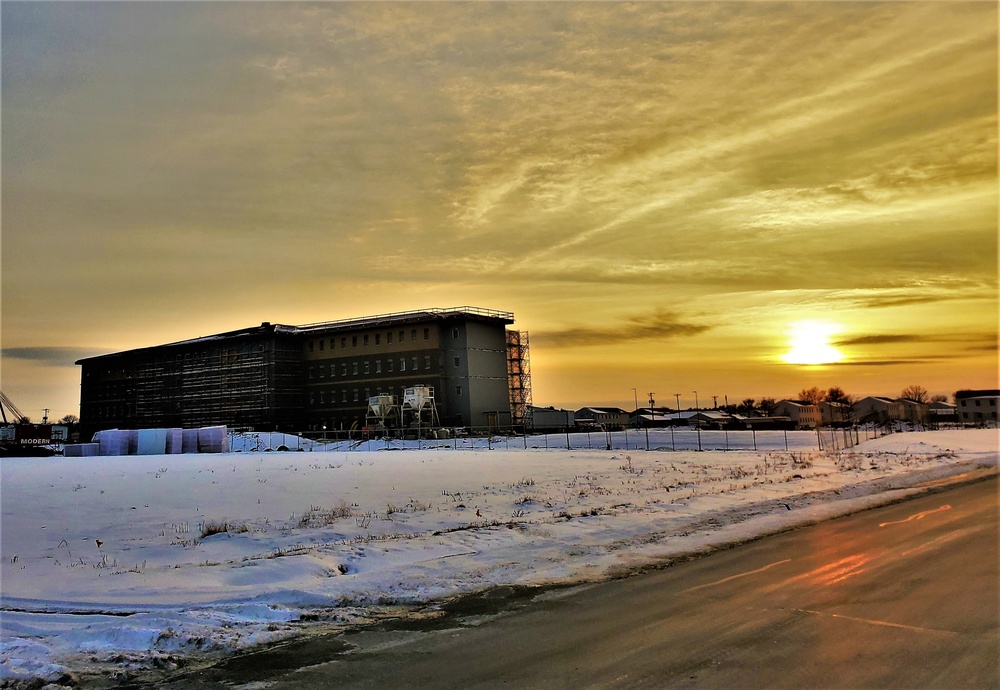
(468, 313)
(601, 410)
(433, 314)
(265, 328)
(990, 393)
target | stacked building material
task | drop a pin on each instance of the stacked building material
(151, 442)
(213, 439)
(189, 440)
(175, 441)
(113, 441)
(81, 450)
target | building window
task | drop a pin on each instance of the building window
(388, 338)
(321, 399)
(458, 390)
(312, 399)
(454, 333)
(402, 363)
(378, 366)
(343, 369)
(378, 338)
(354, 368)
(343, 343)
(413, 334)
(310, 346)
(354, 341)
(310, 372)
(427, 361)
(333, 370)
(458, 361)
(413, 364)
(366, 340)
(427, 334)
(343, 395)
(390, 363)
(333, 343)
(367, 367)
(321, 370)
(321, 344)
(355, 395)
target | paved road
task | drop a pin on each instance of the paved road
(904, 596)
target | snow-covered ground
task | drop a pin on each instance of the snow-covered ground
(122, 562)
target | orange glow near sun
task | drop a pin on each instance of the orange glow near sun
(810, 343)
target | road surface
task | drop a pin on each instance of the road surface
(905, 596)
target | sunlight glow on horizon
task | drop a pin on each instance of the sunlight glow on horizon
(810, 343)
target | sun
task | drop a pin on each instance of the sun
(810, 343)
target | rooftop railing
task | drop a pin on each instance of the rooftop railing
(405, 315)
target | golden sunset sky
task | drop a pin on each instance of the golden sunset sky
(660, 192)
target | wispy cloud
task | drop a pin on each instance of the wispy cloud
(49, 356)
(659, 325)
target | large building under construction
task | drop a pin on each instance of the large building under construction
(458, 367)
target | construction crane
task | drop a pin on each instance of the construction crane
(6, 402)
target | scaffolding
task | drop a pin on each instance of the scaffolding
(519, 378)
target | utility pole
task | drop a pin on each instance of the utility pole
(715, 402)
(652, 414)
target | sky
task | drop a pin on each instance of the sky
(736, 199)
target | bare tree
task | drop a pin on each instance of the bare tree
(69, 419)
(813, 396)
(836, 394)
(766, 406)
(746, 407)
(939, 398)
(915, 393)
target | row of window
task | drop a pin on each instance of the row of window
(365, 367)
(353, 395)
(365, 339)
(992, 401)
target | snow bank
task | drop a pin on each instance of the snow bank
(111, 562)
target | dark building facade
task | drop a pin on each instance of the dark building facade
(318, 376)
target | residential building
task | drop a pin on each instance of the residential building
(877, 410)
(803, 414)
(835, 413)
(552, 418)
(977, 407)
(610, 418)
(942, 413)
(913, 411)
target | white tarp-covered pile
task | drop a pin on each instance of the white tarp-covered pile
(211, 439)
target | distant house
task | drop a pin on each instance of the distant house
(977, 406)
(714, 419)
(550, 418)
(803, 414)
(761, 423)
(877, 410)
(835, 413)
(914, 412)
(942, 413)
(611, 418)
(657, 417)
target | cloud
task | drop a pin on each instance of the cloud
(49, 356)
(659, 325)
(976, 340)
